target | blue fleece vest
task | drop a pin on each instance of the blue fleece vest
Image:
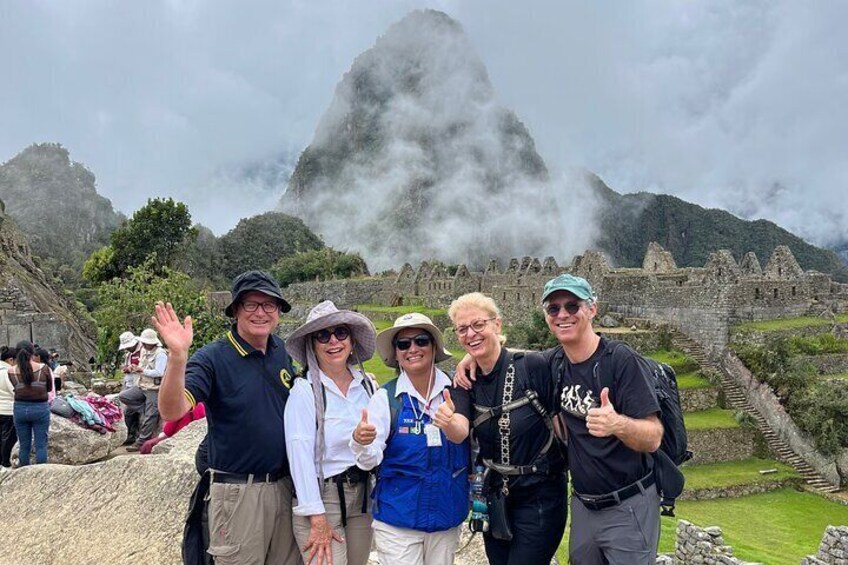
(419, 487)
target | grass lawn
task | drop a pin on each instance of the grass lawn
(692, 380)
(778, 528)
(790, 323)
(710, 419)
(835, 376)
(679, 361)
(400, 310)
(731, 473)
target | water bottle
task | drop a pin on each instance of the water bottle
(479, 507)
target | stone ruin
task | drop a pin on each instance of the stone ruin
(702, 302)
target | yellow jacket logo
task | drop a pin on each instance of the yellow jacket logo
(286, 377)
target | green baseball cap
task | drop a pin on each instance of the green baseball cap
(578, 286)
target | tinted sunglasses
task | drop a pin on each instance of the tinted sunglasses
(323, 336)
(404, 343)
(570, 307)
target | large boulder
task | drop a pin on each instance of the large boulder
(71, 444)
(121, 511)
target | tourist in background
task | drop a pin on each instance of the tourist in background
(8, 436)
(526, 469)
(331, 519)
(32, 382)
(43, 356)
(421, 496)
(152, 362)
(130, 347)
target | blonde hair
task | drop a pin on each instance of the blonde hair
(476, 300)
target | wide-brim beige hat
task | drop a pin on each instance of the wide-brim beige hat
(128, 340)
(326, 315)
(149, 337)
(386, 338)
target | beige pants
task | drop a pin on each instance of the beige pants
(357, 534)
(251, 524)
(399, 546)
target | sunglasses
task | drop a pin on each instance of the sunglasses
(570, 307)
(404, 343)
(323, 336)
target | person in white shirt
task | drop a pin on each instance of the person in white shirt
(8, 436)
(331, 519)
(421, 495)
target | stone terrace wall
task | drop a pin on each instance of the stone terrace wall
(702, 545)
(833, 549)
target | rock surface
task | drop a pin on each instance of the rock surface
(121, 511)
(71, 444)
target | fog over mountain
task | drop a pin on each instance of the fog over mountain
(729, 104)
(414, 159)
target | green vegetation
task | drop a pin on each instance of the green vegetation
(401, 310)
(692, 381)
(710, 419)
(127, 304)
(789, 323)
(778, 527)
(732, 473)
(261, 241)
(535, 335)
(820, 344)
(161, 229)
(679, 361)
(318, 264)
(818, 406)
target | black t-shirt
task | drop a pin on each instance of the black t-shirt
(528, 431)
(602, 465)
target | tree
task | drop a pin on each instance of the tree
(322, 264)
(160, 228)
(127, 304)
(259, 242)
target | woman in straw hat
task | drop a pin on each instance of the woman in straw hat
(421, 496)
(331, 522)
(508, 408)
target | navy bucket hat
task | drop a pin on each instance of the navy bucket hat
(258, 281)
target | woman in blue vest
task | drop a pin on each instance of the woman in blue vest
(421, 496)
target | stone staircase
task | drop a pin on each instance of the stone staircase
(737, 400)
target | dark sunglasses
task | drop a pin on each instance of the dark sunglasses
(404, 343)
(570, 307)
(323, 336)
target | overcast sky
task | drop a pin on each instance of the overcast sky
(737, 105)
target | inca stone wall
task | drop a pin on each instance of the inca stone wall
(716, 445)
(702, 545)
(833, 549)
(701, 302)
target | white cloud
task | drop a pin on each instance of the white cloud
(725, 103)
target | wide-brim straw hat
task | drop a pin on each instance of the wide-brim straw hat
(128, 340)
(327, 315)
(386, 338)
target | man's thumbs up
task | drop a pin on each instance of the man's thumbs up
(605, 401)
(365, 433)
(602, 421)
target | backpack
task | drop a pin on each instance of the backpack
(674, 448)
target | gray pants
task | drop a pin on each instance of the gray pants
(145, 403)
(626, 534)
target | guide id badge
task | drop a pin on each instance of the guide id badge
(434, 436)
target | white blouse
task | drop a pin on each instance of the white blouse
(341, 416)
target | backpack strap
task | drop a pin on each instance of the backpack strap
(395, 405)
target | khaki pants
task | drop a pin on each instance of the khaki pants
(400, 546)
(357, 534)
(251, 524)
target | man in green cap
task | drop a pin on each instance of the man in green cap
(611, 414)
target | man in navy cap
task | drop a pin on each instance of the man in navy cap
(244, 379)
(611, 415)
